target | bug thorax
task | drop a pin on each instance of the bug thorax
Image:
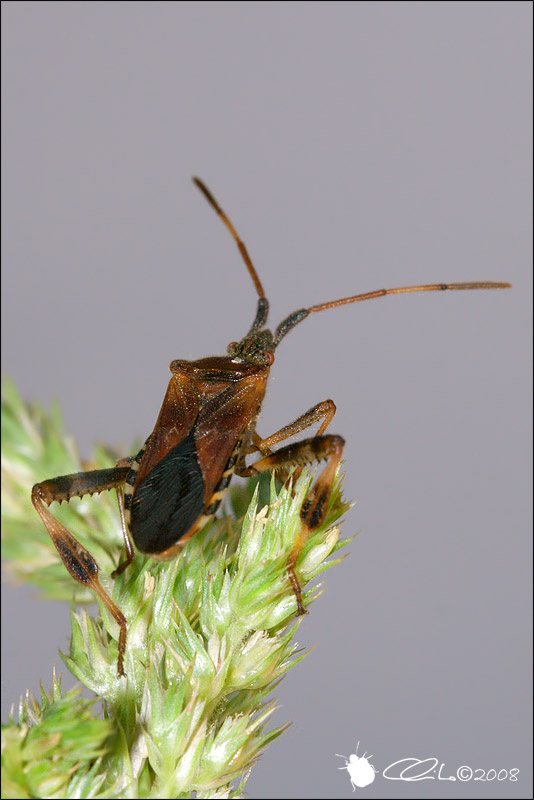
(257, 347)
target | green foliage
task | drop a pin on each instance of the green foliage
(34, 447)
(209, 635)
(55, 748)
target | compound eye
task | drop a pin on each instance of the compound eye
(175, 366)
(269, 357)
(231, 348)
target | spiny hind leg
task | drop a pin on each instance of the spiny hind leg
(308, 451)
(77, 560)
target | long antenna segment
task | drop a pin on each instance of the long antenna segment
(240, 243)
(429, 287)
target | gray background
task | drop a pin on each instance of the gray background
(355, 146)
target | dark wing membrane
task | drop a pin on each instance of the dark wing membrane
(168, 500)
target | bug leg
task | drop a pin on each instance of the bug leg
(77, 560)
(315, 506)
(130, 553)
(324, 411)
(320, 447)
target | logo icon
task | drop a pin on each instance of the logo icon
(361, 772)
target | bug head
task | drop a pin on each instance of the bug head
(257, 347)
(259, 344)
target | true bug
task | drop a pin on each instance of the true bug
(205, 429)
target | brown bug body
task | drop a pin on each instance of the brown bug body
(205, 430)
(205, 423)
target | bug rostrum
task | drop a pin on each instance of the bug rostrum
(205, 430)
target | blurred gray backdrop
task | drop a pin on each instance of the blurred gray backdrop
(355, 146)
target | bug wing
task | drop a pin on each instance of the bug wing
(168, 500)
(176, 418)
(221, 424)
(166, 480)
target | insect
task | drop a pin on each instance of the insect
(361, 772)
(205, 430)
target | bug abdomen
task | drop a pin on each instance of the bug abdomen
(168, 500)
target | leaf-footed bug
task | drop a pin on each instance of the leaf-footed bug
(205, 429)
